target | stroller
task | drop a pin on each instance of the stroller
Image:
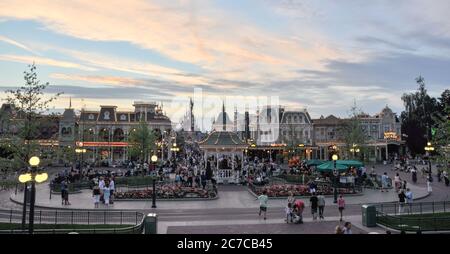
(297, 218)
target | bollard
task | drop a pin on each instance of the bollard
(151, 223)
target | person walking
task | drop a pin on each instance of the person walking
(397, 182)
(314, 204)
(112, 189)
(401, 201)
(263, 200)
(446, 180)
(429, 180)
(321, 204)
(341, 206)
(414, 174)
(63, 191)
(409, 199)
(96, 195)
(384, 182)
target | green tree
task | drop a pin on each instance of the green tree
(353, 133)
(29, 101)
(417, 119)
(142, 139)
(441, 137)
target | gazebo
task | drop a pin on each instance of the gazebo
(223, 144)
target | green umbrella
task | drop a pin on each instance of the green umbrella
(314, 162)
(329, 167)
(350, 163)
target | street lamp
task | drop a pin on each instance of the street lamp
(335, 174)
(32, 177)
(429, 148)
(354, 150)
(82, 151)
(154, 159)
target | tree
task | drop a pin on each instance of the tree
(352, 131)
(29, 101)
(143, 141)
(441, 137)
(417, 119)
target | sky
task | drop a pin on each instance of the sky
(315, 54)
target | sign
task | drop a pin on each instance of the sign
(103, 144)
(390, 135)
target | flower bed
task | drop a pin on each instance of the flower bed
(282, 190)
(167, 192)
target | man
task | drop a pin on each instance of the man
(409, 199)
(263, 199)
(384, 182)
(401, 201)
(314, 203)
(111, 188)
(446, 180)
(321, 203)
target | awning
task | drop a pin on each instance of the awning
(329, 167)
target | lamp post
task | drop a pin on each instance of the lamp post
(335, 174)
(32, 177)
(354, 150)
(82, 151)
(154, 159)
(429, 148)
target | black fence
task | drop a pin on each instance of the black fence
(59, 221)
(423, 216)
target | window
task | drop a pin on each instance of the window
(91, 117)
(295, 119)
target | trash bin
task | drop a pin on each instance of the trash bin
(369, 216)
(151, 223)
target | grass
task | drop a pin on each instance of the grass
(414, 222)
(18, 226)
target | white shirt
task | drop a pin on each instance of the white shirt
(101, 184)
(111, 185)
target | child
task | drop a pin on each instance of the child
(289, 214)
(96, 195)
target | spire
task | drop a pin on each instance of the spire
(70, 102)
(224, 118)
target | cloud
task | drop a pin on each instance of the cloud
(44, 61)
(108, 80)
(199, 34)
(17, 44)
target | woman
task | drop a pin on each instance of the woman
(341, 205)
(397, 182)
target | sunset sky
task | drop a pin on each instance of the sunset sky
(322, 55)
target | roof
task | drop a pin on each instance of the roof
(222, 139)
(329, 120)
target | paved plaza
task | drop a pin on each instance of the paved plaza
(235, 211)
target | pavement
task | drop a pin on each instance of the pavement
(235, 211)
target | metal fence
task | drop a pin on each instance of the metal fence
(74, 221)
(424, 216)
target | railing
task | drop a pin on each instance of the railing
(57, 221)
(424, 216)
